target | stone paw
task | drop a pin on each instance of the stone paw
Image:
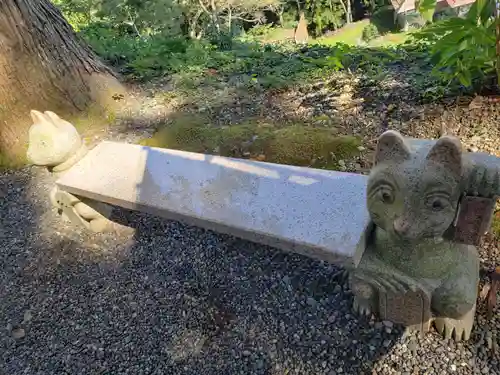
(458, 329)
(90, 214)
(361, 307)
(101, 225)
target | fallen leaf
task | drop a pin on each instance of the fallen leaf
(476, 103)
(484, 291)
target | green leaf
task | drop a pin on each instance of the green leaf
(426, 9)
(464, 78)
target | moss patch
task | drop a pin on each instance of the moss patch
(14, 161)
(298, 144)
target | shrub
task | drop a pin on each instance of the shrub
(369, 33)
(192, 62)
(462, 49)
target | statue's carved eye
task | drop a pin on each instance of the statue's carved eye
(386, 195)
(436, 203)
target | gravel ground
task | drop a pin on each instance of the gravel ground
(164, 298)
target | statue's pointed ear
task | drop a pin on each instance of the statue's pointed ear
(448, 152)
(38, 117)
(391, 146)
(54, 118)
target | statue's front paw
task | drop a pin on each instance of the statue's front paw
(364, 297)
(484, 181)
(459, 329)
(362, 306)
(101, 225)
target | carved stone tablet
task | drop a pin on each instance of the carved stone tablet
(411, 309)
(473, 220)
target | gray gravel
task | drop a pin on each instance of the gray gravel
(170, 299)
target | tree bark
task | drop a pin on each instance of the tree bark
(497, 30)
(45, 66)
(349, 12)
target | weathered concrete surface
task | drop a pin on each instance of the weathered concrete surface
(314, 212)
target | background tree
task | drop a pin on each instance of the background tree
(44, 66)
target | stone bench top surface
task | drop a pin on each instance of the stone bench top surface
(315, 212)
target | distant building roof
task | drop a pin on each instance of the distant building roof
(459, 3)
(401, 6)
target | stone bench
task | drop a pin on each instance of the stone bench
(321, 214)
(292, 208)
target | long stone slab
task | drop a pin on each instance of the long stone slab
(314, 212)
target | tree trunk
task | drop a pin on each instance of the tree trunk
(349, 12)
(497, 28)
(45, 66)
(229, 20)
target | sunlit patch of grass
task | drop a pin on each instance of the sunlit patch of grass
(349, 34)
(391, 39)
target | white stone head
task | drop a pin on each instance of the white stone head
(52, 140)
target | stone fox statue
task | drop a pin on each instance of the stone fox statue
(55, 143)
(412, 199)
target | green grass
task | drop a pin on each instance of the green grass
(279, 33)
(350, 34)
(390, 39)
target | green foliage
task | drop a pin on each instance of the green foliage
(324, 14)
(426, 8)
(463, 49)
(383, 19)
(141, 48)
(79, 13)
(290, 18)
(373, 5)
(261, 31)
(189, 61)
(370, 32)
